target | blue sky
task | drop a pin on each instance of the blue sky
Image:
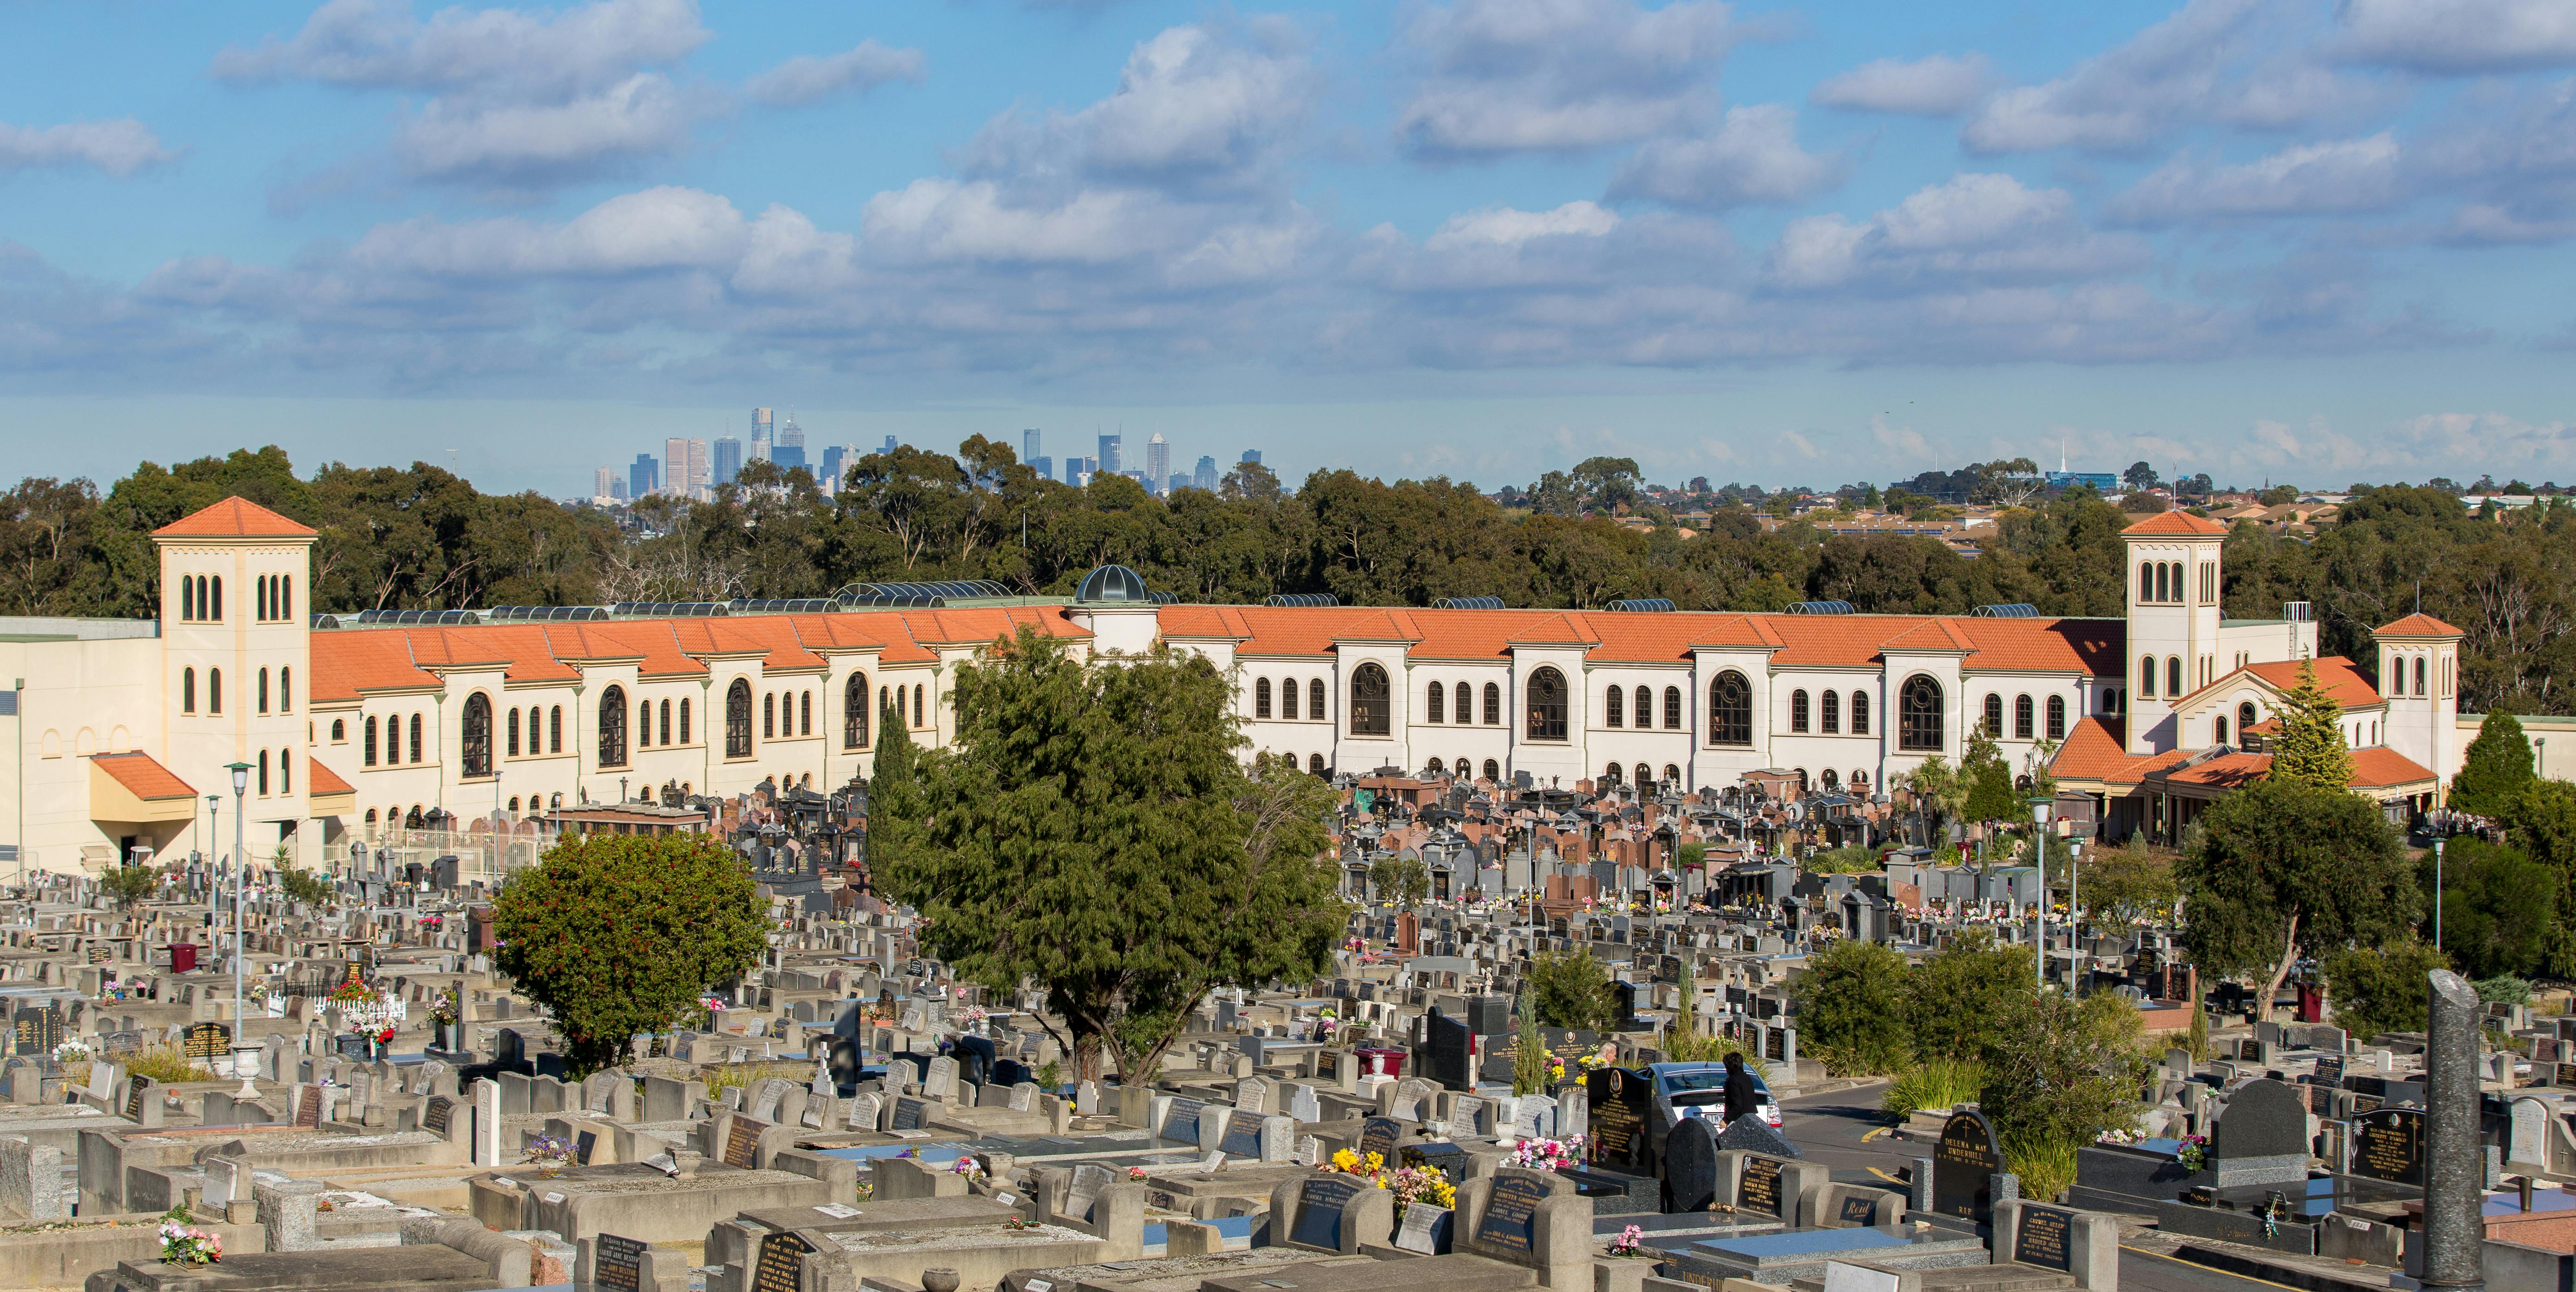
(2269, 239)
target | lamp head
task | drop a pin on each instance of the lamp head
(241, 776)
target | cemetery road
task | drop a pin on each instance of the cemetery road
(1844, 1130)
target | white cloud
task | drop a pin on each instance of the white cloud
(2336, 177)
(1753, 157)
(1973, 227)
(1938, 86)
(537, 143)
(1195, 107)
(945, 220)
(655, 229)
(2460, 36)
(1505, 226)
(117, 147)
(807, 79)
(379, 44)
(1509, 76)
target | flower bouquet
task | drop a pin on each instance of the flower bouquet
(1630, 1242)
(551, 1154)
(2194, 1153)
(1410, 1184)
(1548, 1154)
(182, 1243)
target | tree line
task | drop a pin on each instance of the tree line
(420, 537)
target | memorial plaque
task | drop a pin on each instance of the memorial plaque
(582, 1145)
(2042, 1237)
(101, 953)
(616, 1264)
(1963, 1166)
(308, 1106)
(2565, 1075)
(209, 1040)
(1856, 1211)
(2388, 1144)
(1759, 1189)
(1425, 1229)
(135, 1088)
(1510, 1221)
(1319, 1210)
(438, 1114)
(1377, 1135)
(1181, 1120)
(1618, 1100)
(907, 1113)
(782, 1263)
(2249, 1050)
(2330, 1069)
(39, 1030)
(1242, 1135)
(742, 1142)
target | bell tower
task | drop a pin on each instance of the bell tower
(2173, 602)
(2419, 676)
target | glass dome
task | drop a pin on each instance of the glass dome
(1112, 583)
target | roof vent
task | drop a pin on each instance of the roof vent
(1641, 605)
(1821, 608)
(1302, 599)
(2297, 612)
(1467, 603)
(2013, 610)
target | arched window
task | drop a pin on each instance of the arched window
(1315, 764)
(643, 724)
(2023, 714)
(1614, 703)
(612, 727)
(1546, 705)
(1798, 711)
(2057, 717)
(804, 713)
(1994, 715)
(285, 596)
(738, 719)
(371, 742)
(2146, 582)
(1860, 713)
(854, 712)
(514, 734)
(1610, 775)
(514, 805)
(1918, 709)
(1829, 780)
(259, 594)
(1370, 714)
(662, 728)
(371, 820)
(263, 771)
(1288, 700)
(2182, 590)
(1645, 708)
(415, 738)
(2173, 677)
(2164, 589)
(916, 704)
(215, 595)
(1435, 703)
(1261, 698)
(536, 730)
(1645, 776)
(1493, 770)
(2111, 697)
(1466, 703)
(1672, 774)
(1672, 710)
(263, 692)
(2220, 723)
(187, 600)
(187, 690)
(1730, 710)
(214, 690)
(2245, 717)
(2146, 677)
(769, 715)
(411, 819)
(1829, 713)
(339, 731)
(1493, 704)
(285, 774)
(1803, 787)
(554, 726)
(2419, 675)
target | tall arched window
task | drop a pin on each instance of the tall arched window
(1829, 713)
(2146, 582)
(2419, 675)
(286, 690)
(1860, 713)
(2057, 717)
(769, 715)
(1493, 770)
(1645, 776)
(513, 744)
(187, 600)
(187, 690)
(1798, 715)
(2023, 715)
(1645, 708)
(371, 742)
(1672, 774)
(262, 706)
(2245, 717)
(612, 727)
(1672, 710)
(804, 713)
(1493, 704)
(1730, 710)
(1614, 704)
(285, 773)
(916, 704)
(684, 720)
(1261, 698)
(662, 727)
(1435, 703)
(1288, 700)
(554, 728)
(1546, 705)
(738, 719)
(263, 771)
(854, 712)
(1611, 775)
(1314, 764)
(1918, 709)
(2173, 677)
(2146, 677)
(1994, 715)
(1829, 780)
(643, 724)
(415, 738)
(1370, 707)
(2220, 723)
(285, 596)
(1466, 703)
(214, 690)
(215, 595)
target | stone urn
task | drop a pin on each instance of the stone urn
(939, 1278)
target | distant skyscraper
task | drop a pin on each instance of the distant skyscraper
(1029, 448)
(836, 464)
(1158, 463)
(889, 445)
(725, 459)
(1043, 466)
(644, 477)
(788, 450)
(1077, 471)
(1252, 455)
(1108, 454)
(763, 434)
(1205, 476)
(605, 485)
(684, 467)
(1175, 484)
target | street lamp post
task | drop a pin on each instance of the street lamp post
(2040, 809)
(241, 874)
(2074, 876)
(2437, 892)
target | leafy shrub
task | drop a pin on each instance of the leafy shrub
(1940, 1084)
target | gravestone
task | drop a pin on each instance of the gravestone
(782, 1262)
(1319, 1210)
(1242, 1136)
(308, 1107)
(1378, 1135)
(1445, 1052)
(1467, 1115)
(1181, 1120)
(1510, 1222)
(909, 1113)
(1690, 1167)
(2263, 1136)
(1252, 1094)
(742, 1142)
(1616, 1132)
(209, 1041)
(1757, 1188)
(1964, 1165)
(1086, 1099)
(941, 1081)
(617, 1264)
(438, 1114)
(2388, 1144)
(2526, 1141)
(865, 1111)
(1304, 1106)
(1088, 1180)
(1534, 1117)
(765, 1097)
(1425, 1229)
(2044, 1236)
(1409, 1103)
(1754, 1135)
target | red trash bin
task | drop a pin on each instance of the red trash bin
(1381, 1063)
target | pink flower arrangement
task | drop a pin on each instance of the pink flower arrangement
(1629, 1242)
(1548, 1154)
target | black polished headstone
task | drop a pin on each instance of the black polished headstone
(1964, 1164)
(2388, 1144)
(1620, 1102)
(1320, 1200)
(1754, 1135)
(1690, 1166)
(1445, 1052)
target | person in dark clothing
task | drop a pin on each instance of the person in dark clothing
(1742, 1099)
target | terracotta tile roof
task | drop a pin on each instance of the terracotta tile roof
(2335, 674)
(1203, 622)
(320, 780)
(2095, 750)
(2418, 624)
(1931, 634)
(1382, 626)
(2227, 771)
(233, 518)
(143, 776)
(2178, 523)
(2380, 766)
(369, 659)
(1739, 630)
(1558, 628)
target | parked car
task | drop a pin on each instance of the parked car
(1696, 1090)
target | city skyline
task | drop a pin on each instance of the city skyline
(1460, 238)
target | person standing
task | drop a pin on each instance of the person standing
(1741, 1097)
